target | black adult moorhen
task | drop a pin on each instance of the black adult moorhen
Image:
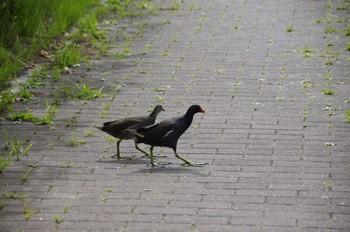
(167, 133)
(119, 128)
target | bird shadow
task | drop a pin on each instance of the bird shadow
(172, 170)
(197, 171)
(133, 160)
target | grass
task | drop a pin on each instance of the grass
(32, 167)
(159, 99)
(22, 93)
(192, 229)
(290, 29)
(343, 7)
(89, 132)
(175, 38)
(306, 51)
(307, 84)
(47, 118)
(16, 195)
(71, 121)
(6, 141)
(28, 212)
(121, 8)
(164, 21)
(175, 5)
(328, 92)
(35, 24)
(2, 204)
(35, 80)
(330, 30)
(88, 25)
(329, 76)
(143, 71)
(103, 114)
(7, 97)
(5, 161)
(110, 139)
(329, 5)
(166, 53)
(347, 30)
(347, 46)
(280, 98)
(57, 218)
(162, 89)
(68, 55)
(66, 209)
(347, 116)
(29, 26)
(73, 140)
(18, 148)
(328, 63)
(107, 105)
(33, 28)
(108, 190)
(67, 164)
(80, 91)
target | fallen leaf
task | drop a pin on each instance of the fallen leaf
(44, 53)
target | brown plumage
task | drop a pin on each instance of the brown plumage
(120, 128)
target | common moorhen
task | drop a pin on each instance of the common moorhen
(119, 128)
(167, 133)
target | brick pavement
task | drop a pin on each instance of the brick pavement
(265, 133)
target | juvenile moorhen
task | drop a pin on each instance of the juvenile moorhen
(167, 133)
(119, 128)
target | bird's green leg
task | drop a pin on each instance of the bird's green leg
(187, 162)
(118, 153)
(151, 162)
(154, 163)
(144, 152)
(118, 149)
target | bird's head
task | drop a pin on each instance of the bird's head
(195, 109)
(156, 110)
(159, 108)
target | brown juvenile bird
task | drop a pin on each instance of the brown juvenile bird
(120, 128)
(167, 133)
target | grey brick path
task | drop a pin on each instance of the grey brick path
(264, 134)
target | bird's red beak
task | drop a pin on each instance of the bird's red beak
(202, 110)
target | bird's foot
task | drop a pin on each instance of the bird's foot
(158, 164)
(195, 164)
(116, 156)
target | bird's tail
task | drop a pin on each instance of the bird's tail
(99, 127)
(134, 132)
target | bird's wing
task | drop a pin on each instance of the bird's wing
(124, 123)
(159, 130)
(148, 128)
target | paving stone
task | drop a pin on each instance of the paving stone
(268, 134)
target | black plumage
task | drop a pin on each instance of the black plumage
(121, 128)
(167, 133)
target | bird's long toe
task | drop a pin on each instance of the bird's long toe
(117, 156)
(194, 164)
(156, 164)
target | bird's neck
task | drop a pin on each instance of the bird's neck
(189, 116)
(153, 114)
